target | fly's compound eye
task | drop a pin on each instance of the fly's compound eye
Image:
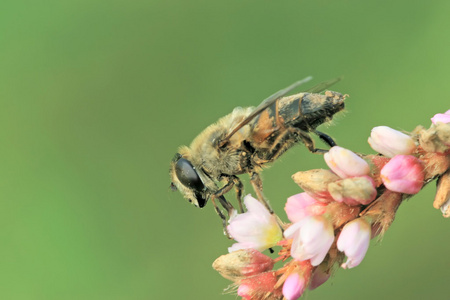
(187, 175)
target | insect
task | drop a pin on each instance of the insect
(247, 140)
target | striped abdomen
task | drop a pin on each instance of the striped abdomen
(304, 111)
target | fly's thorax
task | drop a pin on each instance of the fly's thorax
(215, 159)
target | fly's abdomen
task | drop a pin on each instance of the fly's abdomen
(304, 111)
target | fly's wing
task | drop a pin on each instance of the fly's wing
(318, 88)
(273, 98)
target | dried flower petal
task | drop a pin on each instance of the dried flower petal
(315, 183)
(442, 199)
(436, 138)
(353, 191)
(242, 263)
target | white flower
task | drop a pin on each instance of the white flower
(354, 242)
(312, 238)
(257, 228)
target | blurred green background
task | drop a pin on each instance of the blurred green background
(97, 95)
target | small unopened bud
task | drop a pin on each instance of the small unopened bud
(390, 142)
(294, 286)
(258, 287)
(319, 277)
(346, 163)
(353, 191)
(242, 263)
(442, 199)
(403, 174)
(442, 118)
(354, 241)
(315, 183)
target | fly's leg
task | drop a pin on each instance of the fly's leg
(325, 138)
(239, 187)
(280, 145)
(230, 182)
(221, 215)
(256, 182)
(308, 141)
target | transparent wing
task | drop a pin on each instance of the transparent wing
(318, 88)
(266, 103)
(273, 98)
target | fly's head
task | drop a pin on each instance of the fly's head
(190, 180)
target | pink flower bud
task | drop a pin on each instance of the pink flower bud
(319, 277)
(242, 263)
(258, 286)
(302, 205)
(442, 118)
(346, 163)
(257, 228)
(293, 287)
(312, 238)
(353, 191)
(354, 241)
(390, 142)
(403, 174)
(244, 291)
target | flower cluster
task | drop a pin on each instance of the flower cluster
(339, 212)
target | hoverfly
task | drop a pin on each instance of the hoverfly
(247, 140)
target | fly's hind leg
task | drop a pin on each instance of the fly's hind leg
(308, 141)
(325, 138)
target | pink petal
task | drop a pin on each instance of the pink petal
(403, 174)
(293, 287)
(302, 205)
(442, 118)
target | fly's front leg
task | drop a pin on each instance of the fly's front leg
(239, 187)
(256, 182)
(221, 215)
(230, 182)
